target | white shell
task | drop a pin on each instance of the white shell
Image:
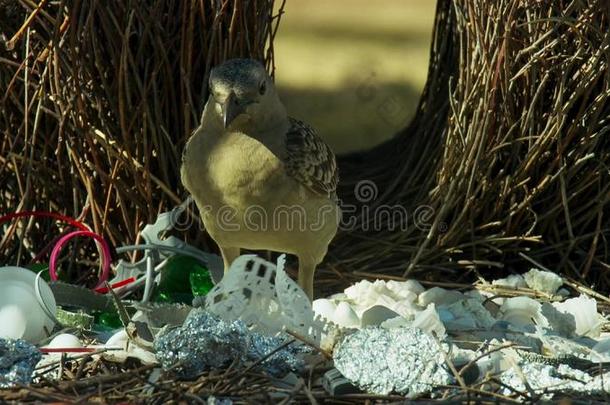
(467, 314)
(409, 289)
(543, 281)
(512, 281)
(439, 296)
(584, 311)
(345, 316)
(324, 307)
(118, 340)
(377, 314)
(429, 321)
(397, 322)
(522, 311)
(126, 350)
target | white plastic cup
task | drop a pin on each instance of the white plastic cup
(21, 314)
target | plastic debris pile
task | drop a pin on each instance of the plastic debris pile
(546, 344)
(144, 313)
(521, 334)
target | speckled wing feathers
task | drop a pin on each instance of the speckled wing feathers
(309, 160)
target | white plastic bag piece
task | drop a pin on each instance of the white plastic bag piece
(262, 295)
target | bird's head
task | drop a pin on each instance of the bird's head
(242, 92)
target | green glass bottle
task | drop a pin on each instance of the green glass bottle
(107, 320)
(182, 279)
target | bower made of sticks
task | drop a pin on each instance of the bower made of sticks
(505, 166)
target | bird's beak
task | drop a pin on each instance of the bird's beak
(231, 109)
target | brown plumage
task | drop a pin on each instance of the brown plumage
(310, 160)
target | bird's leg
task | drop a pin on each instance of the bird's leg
(307, 268)
(229, 254)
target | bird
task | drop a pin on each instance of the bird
(261, 179)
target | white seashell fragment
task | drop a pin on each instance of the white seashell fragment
(397, 322)
(405, 289)
(512, 281)
(361, 292)
(429, 321)
(324, 307)
(377, 314)
(584, 309)
(439, 296)
(345, 316)
(467, 314)
(124, 349)
(406, 308)
(543, 281)
(522, 311)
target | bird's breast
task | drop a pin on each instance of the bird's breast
(236, 170)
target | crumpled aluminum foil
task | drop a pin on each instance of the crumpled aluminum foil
(547, 379)
(404, 360)
(207, 342)
(18, 359)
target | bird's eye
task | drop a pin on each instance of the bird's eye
(263, 87)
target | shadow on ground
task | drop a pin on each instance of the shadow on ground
(356, 115)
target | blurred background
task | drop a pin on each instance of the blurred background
(354, 69)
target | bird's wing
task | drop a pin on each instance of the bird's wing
(309, 160)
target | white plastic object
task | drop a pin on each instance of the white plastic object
(21, 314)
(262, 295)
